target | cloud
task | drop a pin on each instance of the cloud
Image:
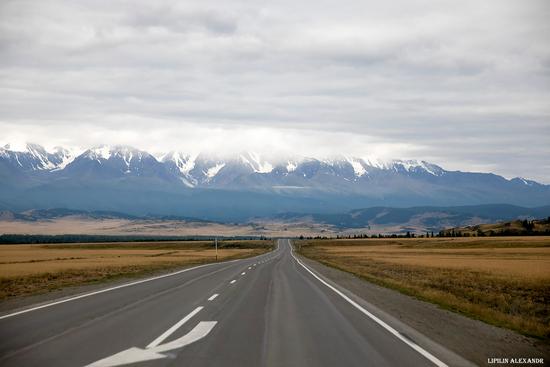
(463, 84)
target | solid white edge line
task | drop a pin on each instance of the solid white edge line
(396, 333)
(117, 287)
(213, 297)
(176, 326)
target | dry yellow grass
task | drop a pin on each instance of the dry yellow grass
(523, 262)
(161, 227)
(27, 269)
(504, 281)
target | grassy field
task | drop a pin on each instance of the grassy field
(31, 269)
(504, 281)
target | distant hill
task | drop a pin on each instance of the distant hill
(421, 219)
(511, 228)
(468, 220)
(57, 213)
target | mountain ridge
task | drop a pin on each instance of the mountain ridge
(243, 185)
(431, 218)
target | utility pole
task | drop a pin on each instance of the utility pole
(216, 241)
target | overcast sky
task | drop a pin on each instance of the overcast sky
(464, 84)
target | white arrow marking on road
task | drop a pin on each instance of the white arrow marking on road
(169, 332)
(134, 355)
(128, 356)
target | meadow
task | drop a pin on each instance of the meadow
(504, 281)
(33, 269)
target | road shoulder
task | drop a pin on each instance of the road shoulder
(471, 339)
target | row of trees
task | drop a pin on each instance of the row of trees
(364, 235)
(80, 238)
(527, 225)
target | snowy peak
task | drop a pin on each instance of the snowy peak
(184, 162)
(206, 167)
(214, 170)
(180, 164)
(116, 161)
(34, 157)
(130, 158)
(359, 166)
(124, 152)
(291, 166)
(61, 157)
(102, 152)
(414, 166)
(256, 162)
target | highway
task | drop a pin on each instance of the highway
(271, 310)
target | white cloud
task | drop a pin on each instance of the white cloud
(464, 84)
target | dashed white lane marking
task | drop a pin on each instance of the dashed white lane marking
(243, 273)
(176, 326)
(213, 297)
(250, 267)
(54, 303)
(233, 281)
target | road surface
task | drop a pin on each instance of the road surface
(270, 310)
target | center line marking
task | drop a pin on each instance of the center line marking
(243, 273)
(233, 281)
(250, 267)
(169, 332)
(212, 297)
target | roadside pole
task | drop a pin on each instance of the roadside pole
(216, 240)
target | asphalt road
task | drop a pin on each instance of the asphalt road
(270, 310)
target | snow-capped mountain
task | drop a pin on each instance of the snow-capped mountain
(252, 170)
(196, 170)
(180, 164)
(114, 162)
(123, 178)
(35, 158)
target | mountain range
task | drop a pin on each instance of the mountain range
(239, 186)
